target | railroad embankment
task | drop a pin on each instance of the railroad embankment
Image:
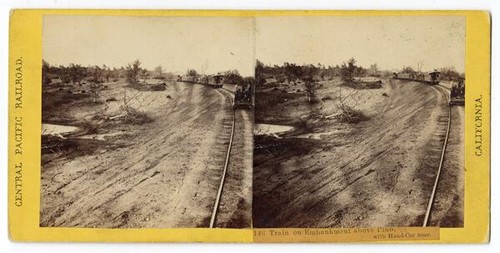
(327, 172)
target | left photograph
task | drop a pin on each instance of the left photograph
(147, 122)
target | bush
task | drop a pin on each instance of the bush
(134, 116)
(350, 115)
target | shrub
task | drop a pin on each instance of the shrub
(350, 115)
(134, 116)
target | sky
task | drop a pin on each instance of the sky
(207, 44)
(430, 42)
(214, 44)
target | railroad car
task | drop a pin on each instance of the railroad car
(432, 77)
(215, 81)
(188, 79)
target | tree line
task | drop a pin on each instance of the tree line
(232, 76)
(290, 72)
(76, 73)
(447, 73)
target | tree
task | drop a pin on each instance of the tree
(132, 72)
(76, 73)
(449, 73)
(45, 71)
(259, 71)
(374, 70)
(106, 72)
(158, 71)
(408, 70)
(144, 74)
(233, 77)
(347, 70)
(97, 74)
(192, 72)
(311, 89)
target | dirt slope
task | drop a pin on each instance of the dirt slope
(374, 173)
(165, 175)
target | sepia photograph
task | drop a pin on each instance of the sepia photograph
(147, 122)
(359, 121)
(250, 126)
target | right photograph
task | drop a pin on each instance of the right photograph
(359, 121)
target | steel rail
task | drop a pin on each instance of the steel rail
(436, 181)
(213, 219)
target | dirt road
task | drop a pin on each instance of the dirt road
(378, 172)
(165, 174)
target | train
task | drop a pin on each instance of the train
(431, 78)
(214, 81)
(457, 88)
(243, 96)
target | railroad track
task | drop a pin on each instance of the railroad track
(215, 209)
(447, 120)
